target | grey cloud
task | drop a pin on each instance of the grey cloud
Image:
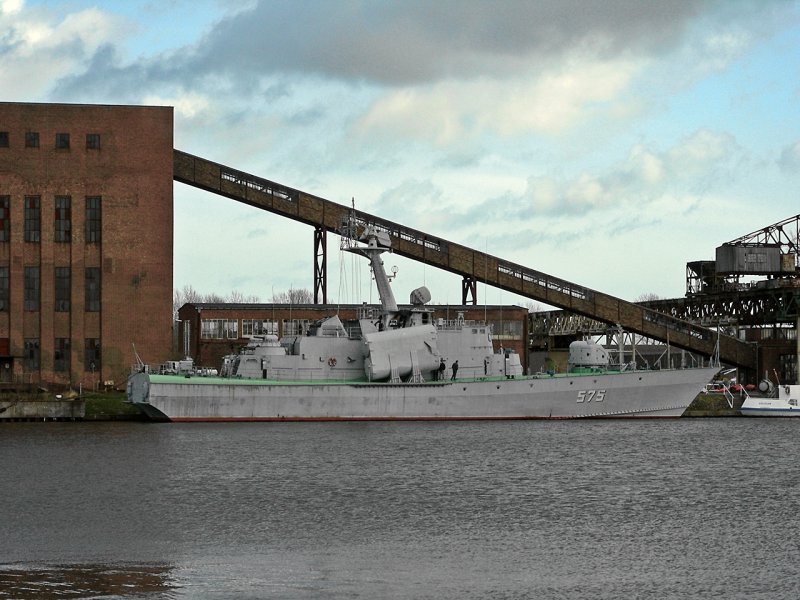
(409, 42)
(789, 162)
(308, 116)
(8, 42)
(104, 78)
(521, 240)
(460, 158)
(410, 196)
(417, 41)
(257, 233)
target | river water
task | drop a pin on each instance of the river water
(687, 508)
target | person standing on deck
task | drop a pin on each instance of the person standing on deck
(455, 371)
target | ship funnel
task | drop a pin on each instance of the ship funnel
(420, 296)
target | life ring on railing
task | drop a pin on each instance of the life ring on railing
(786, 389)
(331, 362)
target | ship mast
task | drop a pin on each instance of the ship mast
(377, 242)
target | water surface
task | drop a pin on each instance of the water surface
(689, 508)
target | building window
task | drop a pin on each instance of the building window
(62, 289)
(506, 330)
(787, 367)
(232, 329)
(62, 141)
(31, 139)
(217, 329)
(295, 326)
(32, 219)
(4, 289)
(211, 329)
(61, 355)
(31, 288)
(3, 139)
(30, 361)
(91, 355)
(5, 218)
(93, 141)
(93, 219)
(63, 226)
(92, 293)
(251, 327)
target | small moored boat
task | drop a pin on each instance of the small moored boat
(785, 404)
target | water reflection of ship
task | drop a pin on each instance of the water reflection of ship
(33, 581)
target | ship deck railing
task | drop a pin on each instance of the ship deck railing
(725, 389)
(245, 381)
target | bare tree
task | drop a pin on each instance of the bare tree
(189, 295)
(293, 296)
(237, 297)
(186, 295)
(533, 306)
(647, 297)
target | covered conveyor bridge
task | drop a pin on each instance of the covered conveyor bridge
(472, 265)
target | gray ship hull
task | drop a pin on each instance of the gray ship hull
(664, 393)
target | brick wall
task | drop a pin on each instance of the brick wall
(131, 171)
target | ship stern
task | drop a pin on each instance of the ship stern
(138, 394)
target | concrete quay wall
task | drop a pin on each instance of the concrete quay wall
(51, 409)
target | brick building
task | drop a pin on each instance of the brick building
(86, 221)
(211, 330)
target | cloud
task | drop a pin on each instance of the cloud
(9, 7)
(699, 161)
(646, 165)
(439, 73)
(702, 152)
(188, 105)
(546, 102)
(720, 48)
(649, 188)
(36, 48)
(418, 42)
(789, 162)
(422, 197)
(646, 187)
(414, 42)
(257, 233)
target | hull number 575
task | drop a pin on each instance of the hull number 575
(591, 395)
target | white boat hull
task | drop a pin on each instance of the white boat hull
(598, 395)
(770, 412)
(787, 404)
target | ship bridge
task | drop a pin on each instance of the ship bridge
(473, 265)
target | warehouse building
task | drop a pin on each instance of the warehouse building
(86, 222)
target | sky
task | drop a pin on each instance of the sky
(606, 143)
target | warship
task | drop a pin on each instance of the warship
(403, 364)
